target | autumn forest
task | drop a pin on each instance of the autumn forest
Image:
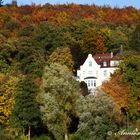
(41, 48)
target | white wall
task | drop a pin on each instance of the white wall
(91, 69)
(88, 71)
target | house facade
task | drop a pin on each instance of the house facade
(97, 69)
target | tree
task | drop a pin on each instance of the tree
(135, 39)
(7, 54)
(117, 89)
(97, 117)
(1, 3)
(4, 135)
(25, 115)
(100, 44)
(62, 56)
(124, 87)
(90, 37)
(60, 18)
(93, 42)
(7, 89)
(78, 56)
(12, 25)
(30, 57)
(116, 40)
(130, 71)
(58, 98)
(51, 36)
(84, 88)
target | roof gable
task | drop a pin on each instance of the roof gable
(88, 60)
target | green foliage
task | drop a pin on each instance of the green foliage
(58, 98)
(76, 136)
(26, 110)
(97, 117)
(26, 31)
(31, 36)
(89, 41)
(135, 39)
(84, 88)
(78, 56)
(51, 36)
(12, 25)
(5, 33)
(6, 57)
(42, 137)
(8, 51)
(116, 40)
(4, 135)
(30, 57)
(93, 42)
(130, 69)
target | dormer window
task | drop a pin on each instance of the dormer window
(90, 64)
(104, 63)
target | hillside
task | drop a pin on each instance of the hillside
(39, 97)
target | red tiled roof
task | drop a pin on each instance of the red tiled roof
(101, 58)
(104, 55)
(100, 61)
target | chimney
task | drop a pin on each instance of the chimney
(111, 54)
(14, 2)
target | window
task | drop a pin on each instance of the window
(88, 83)
(105, 73)
(91, 83)
(115, 63)
(94, 83)
(104, 63)
(83, 72)
(89, 73)
(90, 64)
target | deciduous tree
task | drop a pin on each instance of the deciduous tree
(135, 39)
(97, 117)
(58, 98)
(130, 70)
(25, 115)
(62, 56)
(7, 101)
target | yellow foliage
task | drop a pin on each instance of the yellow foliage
(61, 18)
(62, 56)
(7, 90)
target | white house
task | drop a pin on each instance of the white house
(97, 69)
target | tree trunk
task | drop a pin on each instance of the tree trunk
(66, 136)
(29, 133)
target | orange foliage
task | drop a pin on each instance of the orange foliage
(39, 15)
(124, 16)
(100, 46)
(117, 90)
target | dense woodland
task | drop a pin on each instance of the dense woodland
(41, 47)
